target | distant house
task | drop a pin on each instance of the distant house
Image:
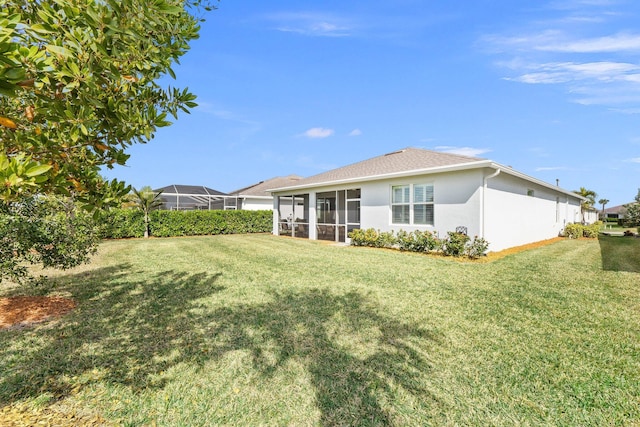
(195, 197)
(257, 196)
(615, 212)
(415, 189)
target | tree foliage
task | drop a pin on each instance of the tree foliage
(79, 85)
(50, 231)
(147, 201)
(632, 211)
(590, 200)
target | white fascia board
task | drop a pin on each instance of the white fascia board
(511, 171)
(428, 171)
(245, 196)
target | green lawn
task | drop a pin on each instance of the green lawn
(261, 330)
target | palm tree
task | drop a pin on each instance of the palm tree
(587, 204)
(603, 202)
(147, 201)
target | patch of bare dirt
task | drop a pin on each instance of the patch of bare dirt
(22, 311)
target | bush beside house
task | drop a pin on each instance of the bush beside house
(577, 230)
(455, 244)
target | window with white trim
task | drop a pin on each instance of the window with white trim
(400, 204)
(412, 204)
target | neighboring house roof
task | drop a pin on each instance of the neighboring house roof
(261, 188)
(614, 209)
(195, 190)
(407, 162)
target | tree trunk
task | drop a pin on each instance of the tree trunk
(146, 226)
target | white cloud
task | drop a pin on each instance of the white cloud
(575, 48)
(463, 151)
(311, 24)
(565, 72)
(634, 160)
(318, 133)
(551, 168)
(355, 132)
(617, 43)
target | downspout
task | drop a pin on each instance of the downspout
(483, 201)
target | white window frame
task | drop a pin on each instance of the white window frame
(411, 203)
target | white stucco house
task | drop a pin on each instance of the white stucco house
(413, 189)
(257, 197)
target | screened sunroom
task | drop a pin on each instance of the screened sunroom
(195, 197)
(336, 213)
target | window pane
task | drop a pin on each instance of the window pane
(400, 194)
(353, 194)
(422, 193)
(353, 212)
(400, 214)
(423, 214)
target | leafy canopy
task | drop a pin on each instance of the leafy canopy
(79, 85)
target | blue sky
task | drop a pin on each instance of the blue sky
(551, 88)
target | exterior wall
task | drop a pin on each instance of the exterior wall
(591, 216)
(506, 213)
(456, 202)
(514, 218)
(255, 204)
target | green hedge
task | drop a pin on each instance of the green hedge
(574, 231)
(123, 223)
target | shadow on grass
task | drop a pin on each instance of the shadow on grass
(620, 253)
(127, 332)
(355, 356)
(123, 331)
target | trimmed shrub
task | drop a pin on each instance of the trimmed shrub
(591, 231)
(418, 241)
(573, 231)
(122, 223)
(455, 243)
(476, 248)
(577, 230)
(373, 238)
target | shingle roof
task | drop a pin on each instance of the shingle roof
(190, 189)
(614, 209)
(260, 189)
(405, 160)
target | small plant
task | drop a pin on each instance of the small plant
(591, 231)
(577, 230)
(418, 241)
(476, 248)
(455, 243)
(573, 231)
(373, 238)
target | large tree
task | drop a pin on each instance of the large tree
(79, 84)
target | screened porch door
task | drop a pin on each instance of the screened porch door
(337, 213)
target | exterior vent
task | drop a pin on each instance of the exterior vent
(395, 152)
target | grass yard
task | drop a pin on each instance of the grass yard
(260, 330)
